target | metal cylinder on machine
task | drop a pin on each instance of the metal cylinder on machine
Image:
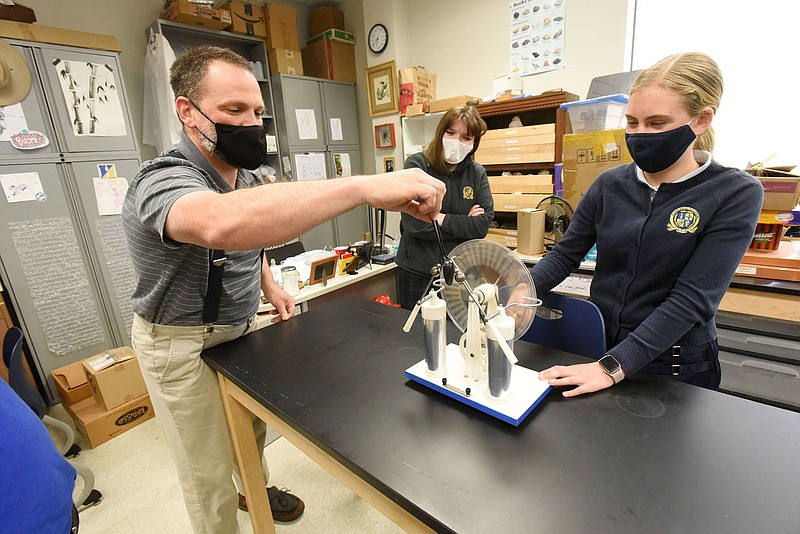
(499, 367)
(434, 320)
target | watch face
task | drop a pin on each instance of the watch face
(609, 364)
(378, 38)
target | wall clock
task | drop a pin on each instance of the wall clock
(378, 38)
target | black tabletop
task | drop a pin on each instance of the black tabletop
(648, 455)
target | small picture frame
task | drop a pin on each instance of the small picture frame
(382, 89)
(322, 270)
(388, 164)
(384, 135)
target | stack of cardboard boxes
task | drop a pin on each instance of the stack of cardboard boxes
(330, 52)
(188, 12)
(274, 22)
(597, 144)
(105, 395)
(283, 44)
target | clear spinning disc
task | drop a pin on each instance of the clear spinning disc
(487, 262)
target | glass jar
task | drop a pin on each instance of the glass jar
(291, 279)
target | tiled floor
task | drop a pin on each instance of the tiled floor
(141, 494)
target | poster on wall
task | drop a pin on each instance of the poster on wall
(92, 98)
(12, 120)
(536, 32)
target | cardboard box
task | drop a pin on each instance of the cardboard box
(98, 425)
(325, 18)
(783, 217)
(522, 183)
(418, 109)
(780, 264)
(188, 13)
(586, 155)
(530, 231)
(443, 104)
(330, 58)
(334, 34)
(247, 18)
(46, 34)
(767, 236)
(505, 202)
(781, 193)
(114, 377)
(281, 22)
(71, 383)
(285, 61)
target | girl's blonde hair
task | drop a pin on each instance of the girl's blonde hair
(697, 80)
(434, 152)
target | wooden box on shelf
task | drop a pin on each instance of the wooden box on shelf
(513, 203)
(522, 183)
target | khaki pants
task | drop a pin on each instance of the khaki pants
(188, 407)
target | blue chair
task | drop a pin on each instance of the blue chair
(570, 324)
(22, 386)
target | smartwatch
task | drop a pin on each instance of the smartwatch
(612, 368)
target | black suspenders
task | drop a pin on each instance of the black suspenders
(216, 268)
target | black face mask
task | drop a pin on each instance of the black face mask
(242, 146)
(655, 152)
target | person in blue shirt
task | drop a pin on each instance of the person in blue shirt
(37, 481)
(671, 229)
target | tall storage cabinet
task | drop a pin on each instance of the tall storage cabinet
(63, 257)
(318, 138)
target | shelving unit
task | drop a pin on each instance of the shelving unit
(418, 131)
(532, 110)
(181, 37)
(541, 109)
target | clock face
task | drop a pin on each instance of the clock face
(378, 38)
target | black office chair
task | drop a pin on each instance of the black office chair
(570, 324)
(18, 380)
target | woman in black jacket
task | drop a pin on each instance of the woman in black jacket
(467, 208)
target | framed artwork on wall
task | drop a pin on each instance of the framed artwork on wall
(384, 135)
(382, 89)
(388, 164)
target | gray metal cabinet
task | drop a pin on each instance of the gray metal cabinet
(318, 136)
(181, 37)
(63, 258)
(760, 358)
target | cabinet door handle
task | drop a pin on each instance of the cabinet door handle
(773, 342)
(766, 366)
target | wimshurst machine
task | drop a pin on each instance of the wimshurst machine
(489, 295)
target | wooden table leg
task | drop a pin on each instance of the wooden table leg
(394, 512)
(248, 457)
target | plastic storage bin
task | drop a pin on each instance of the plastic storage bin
(602, 113)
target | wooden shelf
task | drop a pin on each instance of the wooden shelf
(527, 103)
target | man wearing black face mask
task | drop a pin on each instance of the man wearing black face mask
(196, 223)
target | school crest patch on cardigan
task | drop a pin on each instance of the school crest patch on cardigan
(684, 220)
(469, 194)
